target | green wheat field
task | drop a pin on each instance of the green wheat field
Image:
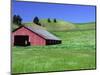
(77, 51)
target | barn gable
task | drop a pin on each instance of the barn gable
(14, 31)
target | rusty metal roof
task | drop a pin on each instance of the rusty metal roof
(42, 32)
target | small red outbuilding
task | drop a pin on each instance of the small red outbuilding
(36, 35)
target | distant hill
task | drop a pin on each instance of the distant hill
(89, 25)
(60, 25)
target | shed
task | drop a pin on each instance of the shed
(34, 36)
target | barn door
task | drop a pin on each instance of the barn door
(21, 40)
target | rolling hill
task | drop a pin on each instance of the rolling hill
(90, 25)
(60, 25)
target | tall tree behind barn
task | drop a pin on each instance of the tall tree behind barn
(36, 21)
(17, 20)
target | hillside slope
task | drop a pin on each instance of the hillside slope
(60, 25)
(90, 25)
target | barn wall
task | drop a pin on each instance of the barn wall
(34, 39)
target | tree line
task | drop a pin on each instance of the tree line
(17, 19)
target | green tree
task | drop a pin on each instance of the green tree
(17, 20)
(14, 19)
(49, 20)
(36, 20)
(55, 20)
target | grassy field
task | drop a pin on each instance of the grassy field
(86, 26)
(77, 51)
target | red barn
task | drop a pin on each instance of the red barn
(36, 35)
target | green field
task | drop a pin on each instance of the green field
(86, 26)
(77, 51)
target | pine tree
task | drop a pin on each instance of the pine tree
(36, 20)
(49, 20)
(55, 20)
(17, 20)
(14, 19)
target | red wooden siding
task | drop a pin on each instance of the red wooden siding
(34, 38)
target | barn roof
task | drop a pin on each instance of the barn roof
(42, 32)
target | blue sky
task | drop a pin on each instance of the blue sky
(67, 12)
